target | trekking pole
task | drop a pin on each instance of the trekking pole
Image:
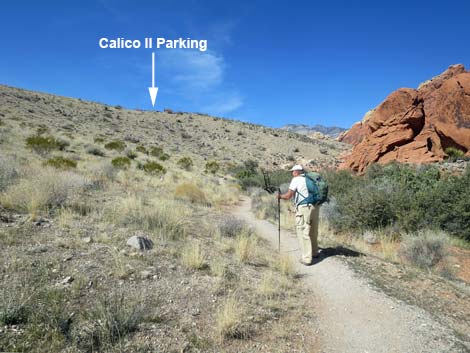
(279, 220)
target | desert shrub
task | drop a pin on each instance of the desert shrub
(425, 248)
(164, 157)
(121, 162)
(232, 227)
(141, 149)
(44, 144)
(14, 309)
(112, 319)
(453, 153)
(131, 154)
(98, 139)
(8, 172)
(40, 310)
(41, 191)
(212, 167)
(405, 197)
(61, 163)
(249, 176)
(156, 151)
(185, 163)
(153, 168)
(95, 151)
(245, 170)
(116, 145)
(190, 192)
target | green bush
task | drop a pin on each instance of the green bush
(121, 162)
(185, 163)
(453, 153)
(212, 167)
(405, 197)
(156, 151)
(61, 163)
(141, 149)
(116, 145)
(44, 144)
(164, 156)
(249, 176)
(153, 168)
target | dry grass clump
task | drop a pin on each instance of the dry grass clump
(101, 173)
(285, 266)
(43, 190)
(424, 249)
(192, 257)
(245, 247)
(219, 268)
(8, 172)
(166, 218)
(113, 318)
(264, 205)
(225, 194)
(190, 192)
(230, 320)
(270, 287)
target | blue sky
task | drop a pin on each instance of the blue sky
(268, 62)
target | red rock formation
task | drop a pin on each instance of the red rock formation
(414, 126)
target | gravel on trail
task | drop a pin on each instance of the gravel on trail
(353, 317)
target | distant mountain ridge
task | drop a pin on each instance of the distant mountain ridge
(331, 131)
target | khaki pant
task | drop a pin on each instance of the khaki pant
(306, 221)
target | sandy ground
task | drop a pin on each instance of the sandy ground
(352, 316)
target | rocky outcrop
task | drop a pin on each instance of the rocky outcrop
(414, 125)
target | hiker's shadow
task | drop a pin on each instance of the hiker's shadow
(336, 251)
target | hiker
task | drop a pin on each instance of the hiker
(306, 215)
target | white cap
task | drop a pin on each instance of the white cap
(296, 167)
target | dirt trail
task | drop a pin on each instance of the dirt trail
(352, 316)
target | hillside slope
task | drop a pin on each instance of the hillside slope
(200, 136)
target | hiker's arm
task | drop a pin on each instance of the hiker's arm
(287, 196)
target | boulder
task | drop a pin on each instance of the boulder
(140, 242)
(414, 125)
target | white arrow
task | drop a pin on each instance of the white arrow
(153, 90)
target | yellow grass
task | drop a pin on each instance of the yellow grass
(285, 266)
(192, 257)
(229, 319)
